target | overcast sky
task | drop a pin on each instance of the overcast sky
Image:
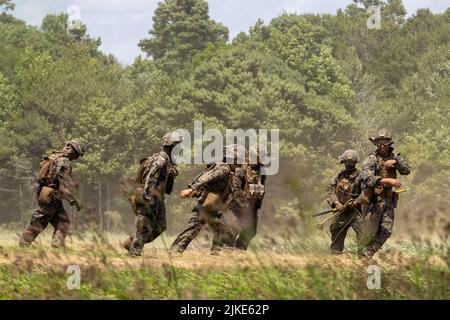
(122, 23)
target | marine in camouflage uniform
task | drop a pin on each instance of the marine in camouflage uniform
(156, 178)
(212, 187)
(55, 184)
(248, 178)
(343, 194)
(379, 172)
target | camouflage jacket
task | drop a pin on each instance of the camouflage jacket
(216, 178)
(238, 180)
(344, 186)
(373, 169)
(60, 170)
(159, 175)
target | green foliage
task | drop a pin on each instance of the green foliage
(181, 29)
(6, 5)
(326, 81)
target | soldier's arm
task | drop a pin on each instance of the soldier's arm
(67, 186)
(154, 176)
(209, 176)
(237, 187)
(173, 173)
(63, 170)
(332, 198)
(358, 190)
(368, 173)
(402, 165)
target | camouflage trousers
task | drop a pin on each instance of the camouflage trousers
(248, 221)
(52, 212)
(382, 221)
(222, 234)
(340, 226)
(150, 224)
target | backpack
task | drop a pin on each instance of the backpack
(143, 170)
(144, 167)
(254, 188)
(46, 175)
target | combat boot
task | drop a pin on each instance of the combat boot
(27, 239)
(135, 252)
(23, 243)
(366, 257)
(58, 240)
(176, 253)
(126, 244)
(135, 248)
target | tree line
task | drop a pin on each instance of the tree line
(326, 81)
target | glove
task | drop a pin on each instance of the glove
(76, 204)
(339, 206)
(350, 204)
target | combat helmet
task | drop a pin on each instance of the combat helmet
(257, 153)
(235, 153)
(78, 146)
(172, 139)
(383, 134)
(349, 155)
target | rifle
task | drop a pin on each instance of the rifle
(334, 210)
(325, 212)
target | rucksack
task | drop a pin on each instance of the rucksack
(254, 188)
(144, 167)
(46, 175)
(143, 170)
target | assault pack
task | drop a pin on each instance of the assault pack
(254, 188)
(47, 175)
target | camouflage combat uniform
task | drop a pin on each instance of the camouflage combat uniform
(249, 179)
(156, 178)
(50, 196)
(345, 186)
(382, 200)
(216, 179)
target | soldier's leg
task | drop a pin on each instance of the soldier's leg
(61, 223)
(384, 232)
(143, 232)
(193, 228)
(38, 222)
(339, 229)
(370, 225)
(223, 232)
(248, 222)
(159, 222)
(126, 243)
(366, 199)
(361, 237)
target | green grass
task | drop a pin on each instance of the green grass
(312, 282)
(409, 271)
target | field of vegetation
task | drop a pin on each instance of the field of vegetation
(273, 269)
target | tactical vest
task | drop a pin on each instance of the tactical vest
(144, 171)
(47, 175)
(346, 188)
(214, 200)
(386, 172)
(254, 188)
